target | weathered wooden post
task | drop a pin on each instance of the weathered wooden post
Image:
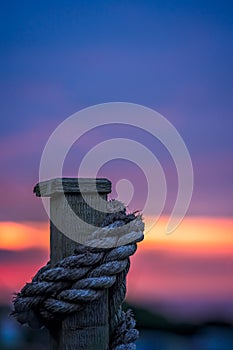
(89, 328)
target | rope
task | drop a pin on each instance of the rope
(56, 292)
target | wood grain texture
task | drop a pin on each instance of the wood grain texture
(72, 185)
(89, 328)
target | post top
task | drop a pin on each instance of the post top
(72, 185)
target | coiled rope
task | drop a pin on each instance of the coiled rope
(56, 292)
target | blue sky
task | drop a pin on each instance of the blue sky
(173, 56)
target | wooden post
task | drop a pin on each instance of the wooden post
(89, 328)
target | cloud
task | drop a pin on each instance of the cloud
(184, 284)
(18, 267)
(31, 256)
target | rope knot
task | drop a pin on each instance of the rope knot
(58, 291)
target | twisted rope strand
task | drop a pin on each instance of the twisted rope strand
(56, 292)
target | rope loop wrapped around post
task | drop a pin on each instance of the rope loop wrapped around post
(56, 292)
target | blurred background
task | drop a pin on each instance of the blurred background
(173, 56)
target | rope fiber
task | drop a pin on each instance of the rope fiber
(56, 292)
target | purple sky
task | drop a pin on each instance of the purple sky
(173, 56)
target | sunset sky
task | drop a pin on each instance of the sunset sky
(173, 56)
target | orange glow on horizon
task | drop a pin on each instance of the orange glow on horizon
(14, 235)
(182, 270)
(196, 234)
